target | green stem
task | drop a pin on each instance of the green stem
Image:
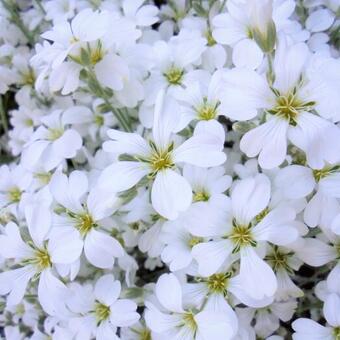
(38, 2)
(270, 73)
(3, 116)
(100, 92)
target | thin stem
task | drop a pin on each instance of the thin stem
(38, 2)
(3, 116)
(270, 73)
(100, 92)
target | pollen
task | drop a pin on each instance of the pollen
(174, 75)
(241, 236)
(102, 312)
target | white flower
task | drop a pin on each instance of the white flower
(178, 322)
(300, 87)
(83, 210)
(36, 260)
(99, 311)
(51, 143)
(245, 224)
(158, 158)
(309, 329)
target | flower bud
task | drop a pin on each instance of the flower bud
(262, 24)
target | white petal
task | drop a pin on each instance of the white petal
(214, 325)
(171, 194)
(107, 290)
(295, 181)
(288, 64)
(211, 255)
(169, 292)
(201, 150)
(309, 329)
(252, 267)
(111, 71)
(243, 92)
(249, 197)
(277, 227)
(15, 282)
(121, 176)
(320, 20)
(315, 252)
(160, 322)
(52, 294)
(65, 245)
(269, 140)
(69, 191)
(331, 310)
(101, 249)
(11, 243)
(101, 204)
(68, 144)
(247, 53)
(123, 313)
(124, 142)
(38, 221)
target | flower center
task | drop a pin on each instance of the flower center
(145, 335)
(159, 159)
(218, 283)
(289, 106)
(336, 333)
(99, 120)
(43, 177)
(279, 260)
(28, 78)
(207, 111)
(241, 236)
(14, 195)
(85, 224)
(189, 321)
(97, 53)
(42, 259)
(54, 134)
(201, 196)
(194, 241)
(102, 312)
(174, 75)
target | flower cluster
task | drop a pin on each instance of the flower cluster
(170, 170)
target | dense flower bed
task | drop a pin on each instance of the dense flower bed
(170, 170)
